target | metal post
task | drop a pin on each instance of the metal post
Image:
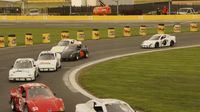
(23, 7)
(169, 11)
(117, 7)
(70, 8)
(117, 1)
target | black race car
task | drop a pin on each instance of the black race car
(75, 52)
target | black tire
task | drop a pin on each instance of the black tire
(35, 75)
(172, 43)
(77, 57)
(157, 45)
(25, 108)
(62, 59)
(12, 105)
(86, 54)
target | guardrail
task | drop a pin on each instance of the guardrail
(102, 18)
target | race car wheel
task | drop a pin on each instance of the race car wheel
(77, 57)
(25, 109)
(86, 54)
(172, 43)
(157, 45)
(34, 78)
(12, 105)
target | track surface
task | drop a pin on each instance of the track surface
(98, 49)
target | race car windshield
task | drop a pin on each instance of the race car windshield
(39, 92)
(118, 108)
(23, 64)
(46, 56)
(155, 37)
(63, 43)
(183, 10)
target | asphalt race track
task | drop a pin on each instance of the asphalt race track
(98, 49)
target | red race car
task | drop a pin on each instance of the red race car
(35, 97)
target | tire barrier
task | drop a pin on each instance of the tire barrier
(143, 30)
(2, 41)
(12, 40)
(28, 39)
(193, 27)
(177, 28)
(80, 35)
(46, 38)
(127, 31)
(95, 34)
(111, 33)
(161, 29)
(64, 35)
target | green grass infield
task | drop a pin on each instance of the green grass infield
(167, 81)
(56, 32)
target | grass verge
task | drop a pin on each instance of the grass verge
(165, 81)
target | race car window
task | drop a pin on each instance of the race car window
(40, 92)
(155, 37)
(98, 109)
(23, 93)
(63, 43)
(163, 37)
(46, 56)
(23, 64)
(117, 108)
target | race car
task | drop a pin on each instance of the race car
(75, 52)
(24, 69)
(63, 44)
(159, 40)
(34, 97)
(49, 61)
(104, 105)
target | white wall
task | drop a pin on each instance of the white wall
(78, 3)
(91, 2)
(121, 2)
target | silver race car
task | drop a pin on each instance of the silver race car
(104, 105)
(159, 40)
(49, 61)
(24, 69)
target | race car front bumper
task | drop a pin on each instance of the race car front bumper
(47, 68)
(147, 46)
(15, 78)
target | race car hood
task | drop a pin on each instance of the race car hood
(83, 108)
(148, 42)
(45, 62)
(46, 104)
(16, 71)
(58, 49)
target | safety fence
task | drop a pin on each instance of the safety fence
(11, 40)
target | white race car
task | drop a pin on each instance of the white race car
(64, 44)
(24, 69)
(159, 40)
(49, 61)
(104, 105)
